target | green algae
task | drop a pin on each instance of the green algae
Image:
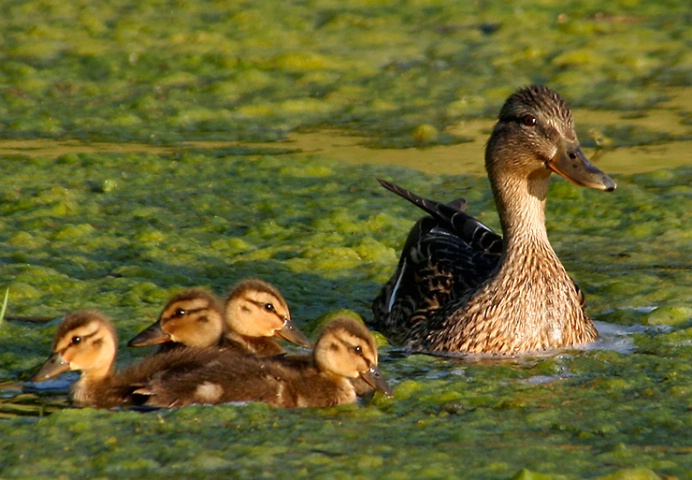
(328, 237)
(122, 228)
(402, 71)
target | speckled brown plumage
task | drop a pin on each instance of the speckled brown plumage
(460, 288)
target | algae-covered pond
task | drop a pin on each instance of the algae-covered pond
(151, 146)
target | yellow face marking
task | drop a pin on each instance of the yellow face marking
(194, 322)
(256, 314)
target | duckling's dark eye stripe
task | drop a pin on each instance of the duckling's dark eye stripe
(355, 348)
(358, 350)
(81, 338)
(272, 310)
(195, 310)
(189, 311)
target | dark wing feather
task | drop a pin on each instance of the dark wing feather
(445, 255)
(451, 216)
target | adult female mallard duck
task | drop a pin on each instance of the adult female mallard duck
(86, 341)
(254, 315)
(344, 351)
(459, 288)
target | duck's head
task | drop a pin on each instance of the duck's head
(346, 348)
(255, 308)
(193, 317)
(535, 136)
(85, 341)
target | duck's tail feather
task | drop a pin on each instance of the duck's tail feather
(451, 216)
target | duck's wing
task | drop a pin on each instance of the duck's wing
(445, 255)
(451, 216)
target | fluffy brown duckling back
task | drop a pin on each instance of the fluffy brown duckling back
(345, 350)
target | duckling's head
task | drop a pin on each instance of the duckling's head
(255, 308)
(346, 348)
(535, 136)
(85, 341)
(193, 317)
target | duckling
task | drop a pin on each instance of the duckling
(86, 341)
(255, 311)
(345, 350)
(193, 318)
(459, 287)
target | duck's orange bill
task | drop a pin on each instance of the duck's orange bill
(571, 163)
(54, 366)
(153, 335)
(291, 333)
(373, 378)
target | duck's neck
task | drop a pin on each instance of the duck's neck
(260, 346)
(521, 206)
(545, 310)
(83, 391)
(527, 253)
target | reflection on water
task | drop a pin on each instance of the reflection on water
(618, 337)
(59, 384)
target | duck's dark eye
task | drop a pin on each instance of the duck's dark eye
(528, 120)
(179, 312)
(76, 339)
(269, 307)
(357, 349)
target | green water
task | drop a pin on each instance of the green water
(121, 228)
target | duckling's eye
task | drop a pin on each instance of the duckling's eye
(269, 307)
(179, 312)
(528, 120)
(358, 350)
(76, 339)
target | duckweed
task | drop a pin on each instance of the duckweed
(127, 249)
(402, 71)
(121, 231)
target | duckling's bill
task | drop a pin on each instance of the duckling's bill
(291, 333)
(153, 335)
(54, 366)
(571, 163)
(373, 378)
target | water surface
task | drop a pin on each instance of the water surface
(148, 148)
